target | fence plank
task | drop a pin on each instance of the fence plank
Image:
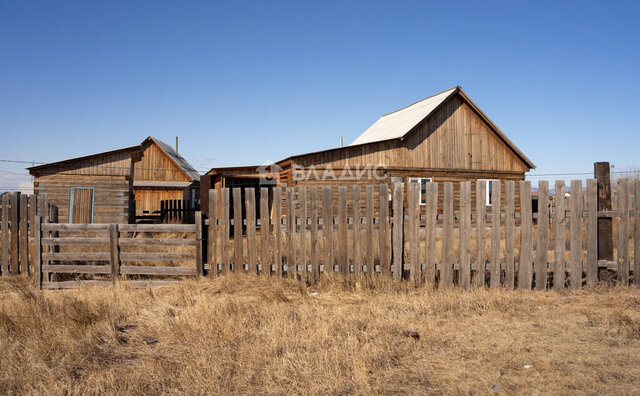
(224, 230)
(277, 233)
(123, 241)
(592, 231)
(465, 234)
(199, 263)
(291, 232)
(495, 233)
(79, 269)
(37, 252)
(5, 234)
(398, 230)
(302, 196)
(237, 230)
(213, 232)
(526, 241)
(357, 237)
(343, 254)
(542, 235)
(265, 227)
(509, 233)
(383, 217)
(623, 231)
(327, 228)
(315, 263)
(15, 236)
(252, 251)
(33, 206)
(431, 213)
(115, 253)
(413, 212)
(576, 234)
(481, 207)
(24, 235)
(446, 263)
(559, 236)
(368, 243)
(153, 270)
(636, 235)
(152, 256)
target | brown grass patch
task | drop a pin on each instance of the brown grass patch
(262, 335)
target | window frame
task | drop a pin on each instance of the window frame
(488, 191)
(423, 199)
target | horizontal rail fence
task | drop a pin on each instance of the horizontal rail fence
(177, 211)
(70, 255)
(17, 214)
(389, 230)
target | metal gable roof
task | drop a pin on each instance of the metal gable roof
(397, 124)
(177, 158)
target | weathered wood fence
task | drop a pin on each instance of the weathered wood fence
(307, 232)
(17, 213)
(70, 255)
(394, 230)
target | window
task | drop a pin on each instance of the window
(423, 187)
(489, 190)
(81, 202)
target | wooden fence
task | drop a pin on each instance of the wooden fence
(116, 253)
(303, 233)
(17, 213)
(309, 234)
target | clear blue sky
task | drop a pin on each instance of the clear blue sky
(246, 82)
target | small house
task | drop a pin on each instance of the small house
(443, 138)
(115, 186)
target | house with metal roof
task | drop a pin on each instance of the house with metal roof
(445, 137)
(109, 187)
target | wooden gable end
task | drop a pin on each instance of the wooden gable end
(157, 165)
(454, 137)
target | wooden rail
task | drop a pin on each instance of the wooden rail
(66, 261)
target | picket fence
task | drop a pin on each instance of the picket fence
(434, 238)
(315, 235)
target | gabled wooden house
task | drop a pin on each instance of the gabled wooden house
(109, 187)
(445, 137)
(162, 175)
(97, 188)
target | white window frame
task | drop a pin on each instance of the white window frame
(488, 190)
(423, 199)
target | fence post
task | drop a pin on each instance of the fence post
(213, 232)
(15, 240)
(198, 218)
(605, 224)
(24, 235)
(115, 253)
(5, 234)
(37, 248)
(398, 230)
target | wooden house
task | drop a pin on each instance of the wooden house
(97, 188)
(445, 137)
(110, 187)
(162, 175)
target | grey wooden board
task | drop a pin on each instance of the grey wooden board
(542, 235)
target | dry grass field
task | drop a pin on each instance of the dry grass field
(259, 335)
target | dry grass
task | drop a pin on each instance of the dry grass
(261, 335)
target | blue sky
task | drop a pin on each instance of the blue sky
(247, 82)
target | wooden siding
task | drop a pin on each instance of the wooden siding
(454, 137)
(116, 164)
(156, 165)
(111, 195)
(149, 199)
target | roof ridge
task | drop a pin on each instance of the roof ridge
(457, 87)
